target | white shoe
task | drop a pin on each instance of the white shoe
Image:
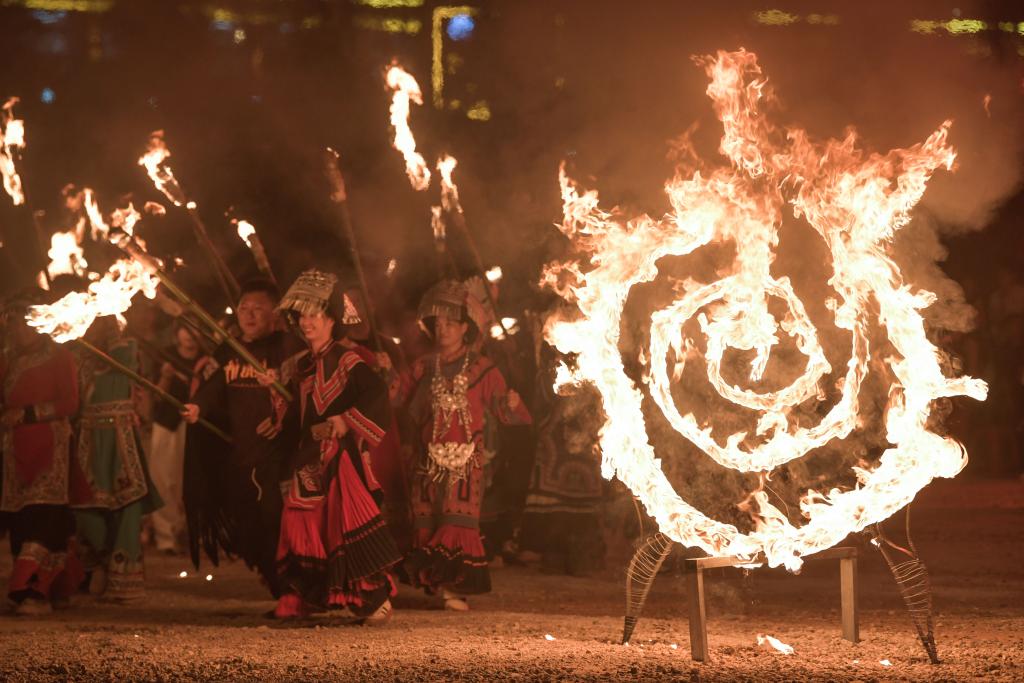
(455, 603)
(381, 615)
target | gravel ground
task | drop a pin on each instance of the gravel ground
(191, 629)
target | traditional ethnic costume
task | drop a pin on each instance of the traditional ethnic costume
(233, 493)
(335, 547)
(37, 477)
(452, 403)
(562, 520)
(120, 494)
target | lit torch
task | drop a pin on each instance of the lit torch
(159, 171)
(69, 318)
(12, 142)
(405, 89)
(247, 232)
(66, 255)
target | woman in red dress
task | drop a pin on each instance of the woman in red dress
(335, 548)
(457, 392)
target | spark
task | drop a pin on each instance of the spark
(775, 643)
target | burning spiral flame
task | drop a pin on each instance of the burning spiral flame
(856, 202)
(405, 89)
(12, 142)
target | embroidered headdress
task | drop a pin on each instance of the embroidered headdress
(317, 292)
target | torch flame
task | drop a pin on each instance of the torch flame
(155, 163)
(449, 190)
(494, 274)
(405, 89)
(12, 142)
(71, 316)
(246, 230)
(66, 255)
(98, 225)
(856, 202)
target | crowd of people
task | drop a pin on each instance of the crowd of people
(334, 466)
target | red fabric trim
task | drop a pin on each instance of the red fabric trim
(366, 428)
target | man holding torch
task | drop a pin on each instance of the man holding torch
(233, 496)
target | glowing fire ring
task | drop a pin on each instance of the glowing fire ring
(855, 202)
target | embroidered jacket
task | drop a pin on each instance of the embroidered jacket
(337, 382)
(108, 452)
(486, 392)
(44, 382)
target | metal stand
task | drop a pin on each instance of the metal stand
(694, 569)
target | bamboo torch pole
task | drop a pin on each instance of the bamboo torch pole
(128, 372)
(139, 255)
(339, 197)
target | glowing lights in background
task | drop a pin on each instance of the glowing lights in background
(776, 17)
(389, 24)
(440, 16)
(480, 111)
(953, 26)
(389, 4)
(460, 27)
(47, 96)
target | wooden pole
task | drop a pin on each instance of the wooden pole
(139, 255)
(128, 372)
(339, 197)
(224, 275)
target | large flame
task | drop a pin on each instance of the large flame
(12, 142)
(71, 316)
(855, 201)
(405, 89)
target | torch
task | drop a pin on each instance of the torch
(163, 178)
(153, 266)
(247, 232)
(450, 203)
(339, 197)
(128, 372)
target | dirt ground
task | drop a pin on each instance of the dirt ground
(193, 629)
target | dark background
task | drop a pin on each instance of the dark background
(249, 92)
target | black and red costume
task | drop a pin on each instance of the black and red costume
(233, 493)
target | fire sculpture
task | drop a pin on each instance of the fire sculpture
(856, 202)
